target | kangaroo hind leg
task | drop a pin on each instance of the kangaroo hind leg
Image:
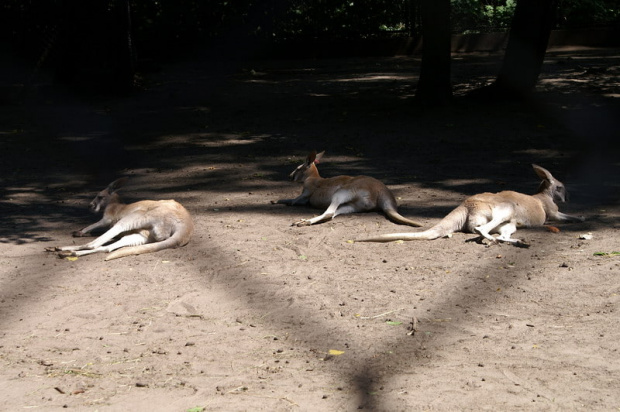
(505, 232)
(110, 234)
(330, 213)
(499, 215)
(133, 239)
(337, 207)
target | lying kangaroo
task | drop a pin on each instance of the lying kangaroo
(146, 226)
(501, 213)
(341, 194)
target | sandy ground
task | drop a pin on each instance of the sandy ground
(256, 314)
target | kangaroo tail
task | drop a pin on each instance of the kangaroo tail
(453, 222)
(178, 238)
(396, 217)
(386, 202)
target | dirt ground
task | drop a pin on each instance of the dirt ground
(256, 314)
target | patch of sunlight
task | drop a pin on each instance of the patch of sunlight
(212, 139)
(23, 195)
(27, 190)
(231, 141)
(464, 182)
(261, 81)
(563, 81)
(80, 138)
(540, 153)
(197, 109)
(374, 78)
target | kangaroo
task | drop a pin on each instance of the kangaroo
(341, 194)
(146, 226)
(500, 213)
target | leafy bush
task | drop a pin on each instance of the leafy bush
(481, 16)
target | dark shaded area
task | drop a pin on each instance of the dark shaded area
(94, 50)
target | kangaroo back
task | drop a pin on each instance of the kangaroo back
(159, 218)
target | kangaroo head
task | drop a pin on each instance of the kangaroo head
(107, 195)
(308, 168)
(550, 185)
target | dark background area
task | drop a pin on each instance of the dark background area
(106, 42)
(215, 115)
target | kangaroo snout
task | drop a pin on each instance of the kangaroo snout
(94, 207)
(99, 203)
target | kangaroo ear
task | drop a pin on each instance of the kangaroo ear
(542, 172)
(318, 157)
(311, 157)
(117, 184)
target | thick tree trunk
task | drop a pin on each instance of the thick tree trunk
(527, 45)
(434, 86)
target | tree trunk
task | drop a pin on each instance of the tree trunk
(122, 56)
(527, 44)
(434, 86)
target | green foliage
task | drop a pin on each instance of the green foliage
(500, 15)
(481, 15)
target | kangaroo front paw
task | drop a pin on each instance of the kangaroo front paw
(52, 249)
(485, 235)
(478, 239)
(65, 253)
(78, 233)
(520, 243)
(488, 243)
